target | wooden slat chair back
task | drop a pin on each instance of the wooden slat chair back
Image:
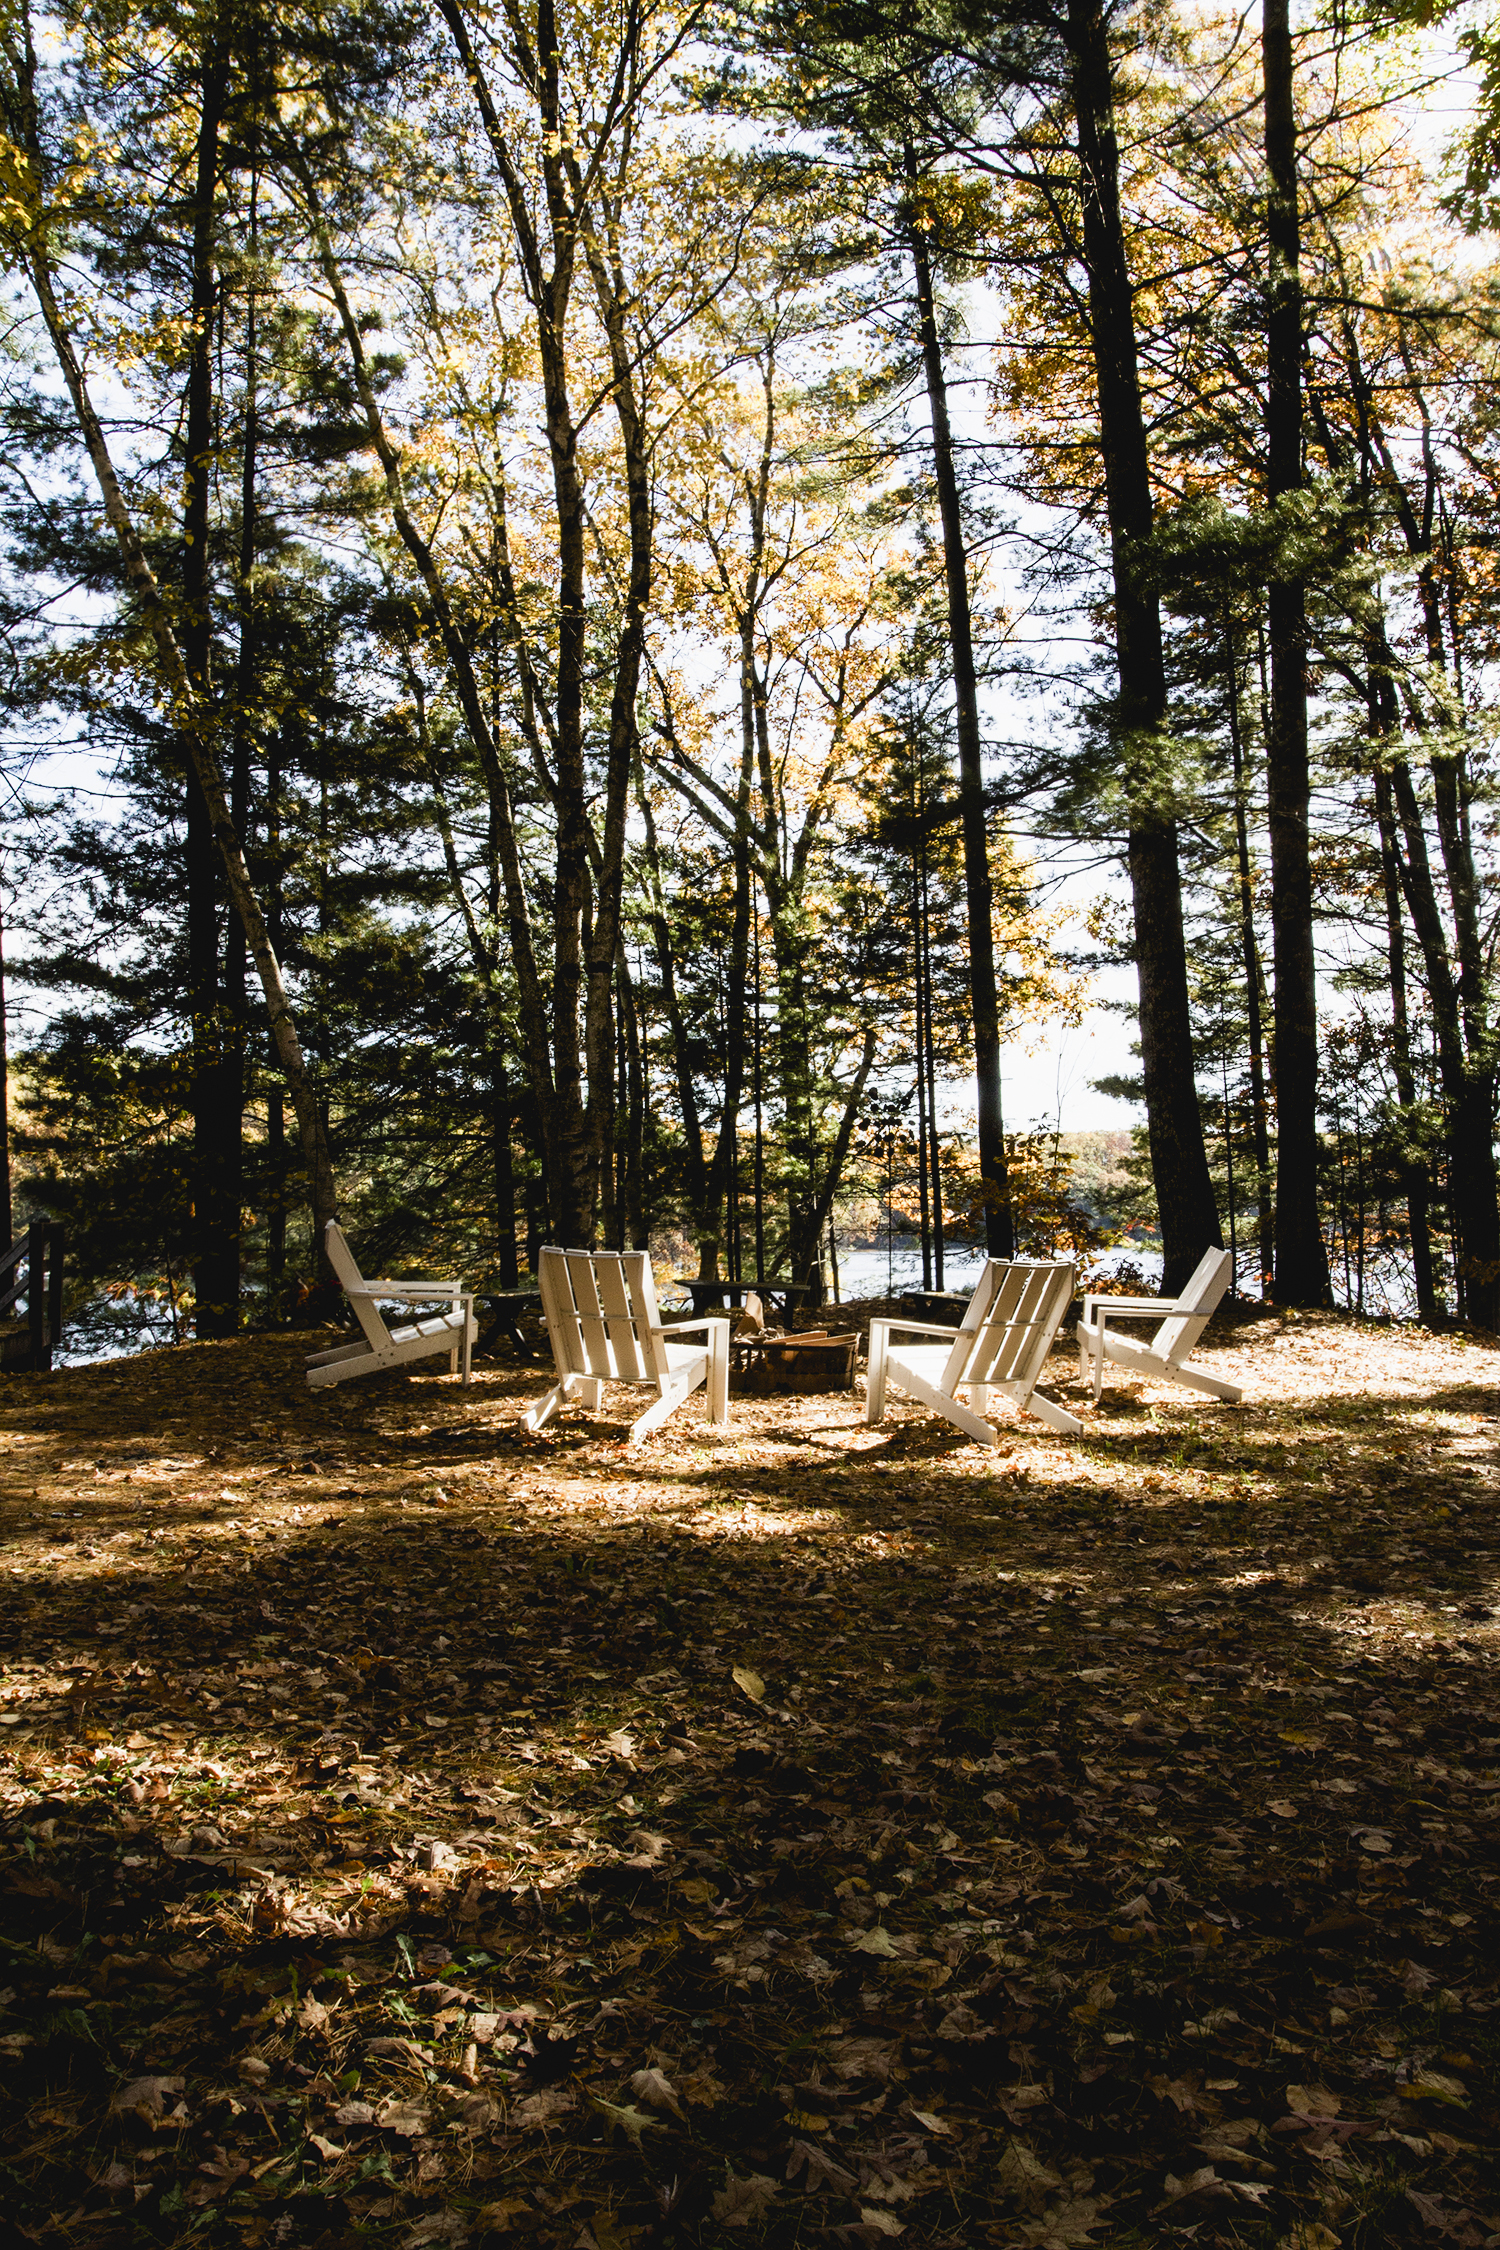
(1177, 1334)
(605, 1326)
(1168, 1350)
(967, 1336)
(1016, 1336)
(452, 1331)
(352, 1282)
(1001, 1346)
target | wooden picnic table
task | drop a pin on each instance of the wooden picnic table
(711, 1296)
(504, 1311)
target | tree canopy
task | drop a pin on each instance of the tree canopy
(574, 577)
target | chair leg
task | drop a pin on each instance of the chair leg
(545, 1408)
(1210, 1385)
(875, 1373)
(716, 1387)
(589, 1392)
(566, 1387)
(1057, 1416)
(952, 1409)
(467, 1306)
(657, 1412)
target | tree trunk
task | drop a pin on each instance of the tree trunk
(737, 977)
(919, 1024)
(635, 1231)
(534, 1186)
(6, 1235)
(502, 1108)
(822, 1200)
(236, 1003)
(1478, 1276)
(1179, 1160)
(1468, 1084)
(1413, 1169)
(549, 1041)
(1250, 953)
(574, 1150)
(218, 1069)
(687, 1093)
(795, 1072)
(984, 996)
(929, 1050)
(276, 1160)
(1301, 1269)
(613, 296)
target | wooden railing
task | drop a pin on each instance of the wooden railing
(33, 1270)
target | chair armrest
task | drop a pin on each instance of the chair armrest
(1134, 1308)
(691, 1327)
(915, 1327)
(415, 1289)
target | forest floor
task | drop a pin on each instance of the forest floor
(412, 1831)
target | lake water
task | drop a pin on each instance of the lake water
(871, 1271)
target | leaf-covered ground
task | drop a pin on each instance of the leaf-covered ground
(414, 1832)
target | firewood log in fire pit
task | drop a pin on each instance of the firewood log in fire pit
(812, 1360)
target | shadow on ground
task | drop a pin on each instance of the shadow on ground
(418, 1832)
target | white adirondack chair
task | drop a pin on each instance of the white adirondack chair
(452, 1331)
(1186, 1318)
(1004, 1340)
(604, 1327)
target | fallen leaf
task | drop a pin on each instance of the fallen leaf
(146, 2096)
(744, 2202)
(1312, 2101)
(441, 2226)
(1067, 2224)
(749, 1683)
(402, 2117)
(625, 2118)
(931, 2124)
(1024, 2176)
(877, 1940)
(1205, 2181)
(1433, 2086)
(502, 2214)
(655, 2087)
(543, 2108)
(822, 2169)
